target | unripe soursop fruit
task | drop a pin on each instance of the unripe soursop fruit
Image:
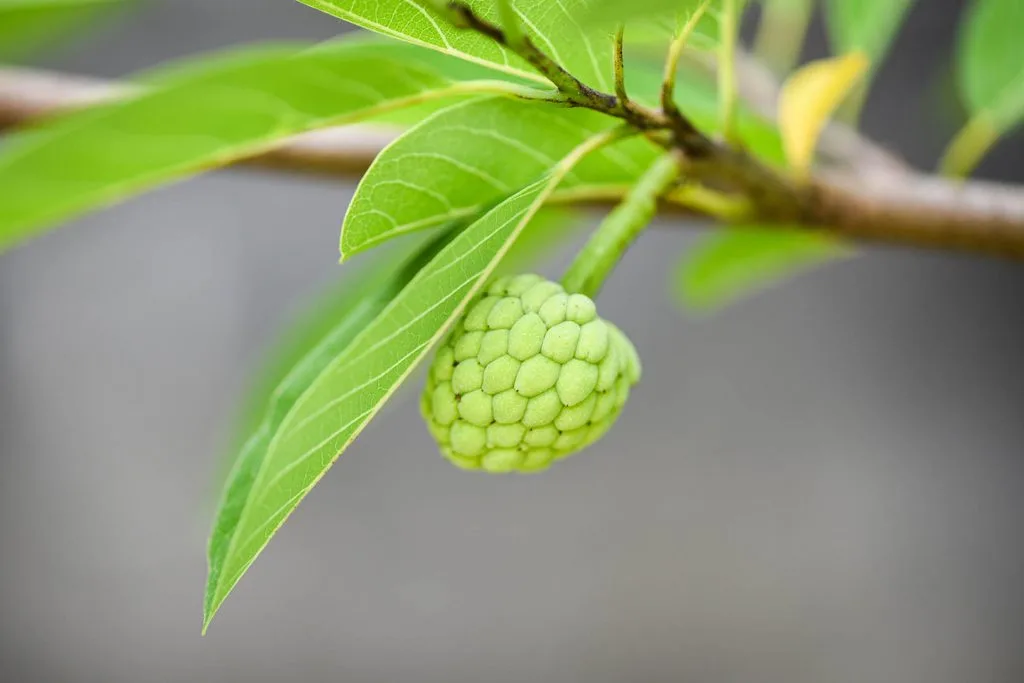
(529, 375)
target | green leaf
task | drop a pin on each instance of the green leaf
(299, 360)
(868, 26)
(553, 24)
(199, 121)
(738, 261)
(329, 324)
(353, 387)
(991, 61)
(27, 24)
(468, 156)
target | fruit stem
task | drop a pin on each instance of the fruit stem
(620, 228)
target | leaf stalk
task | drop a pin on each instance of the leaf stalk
(620, 228)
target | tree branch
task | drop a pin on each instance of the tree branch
(878, 205)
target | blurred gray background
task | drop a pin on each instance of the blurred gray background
(823, 483)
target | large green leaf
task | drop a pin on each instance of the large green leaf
(353, 387)
(740, 260)
(203, 119)
(26, 24)
(865, 25)
(991, 61)
(464, 158)
(299, 360)
(554, 25)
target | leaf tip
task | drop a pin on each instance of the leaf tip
(208, 614)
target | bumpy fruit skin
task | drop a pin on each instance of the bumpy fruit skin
(528, 376)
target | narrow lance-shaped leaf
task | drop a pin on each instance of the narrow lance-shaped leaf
(727, 265)
(327, 329)
(464, 158)
(355, 385)
(352, 309)
(202, 120)
(26, 25)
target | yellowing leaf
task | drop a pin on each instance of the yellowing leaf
(808, 99)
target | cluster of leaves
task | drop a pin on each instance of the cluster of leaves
(492, 149)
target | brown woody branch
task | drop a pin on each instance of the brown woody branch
(874, 203)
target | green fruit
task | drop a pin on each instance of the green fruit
(529, 375)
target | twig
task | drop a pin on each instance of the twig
(618, 66)
(578, 93)
(776, 197)
(574, 90)
(902, 208)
